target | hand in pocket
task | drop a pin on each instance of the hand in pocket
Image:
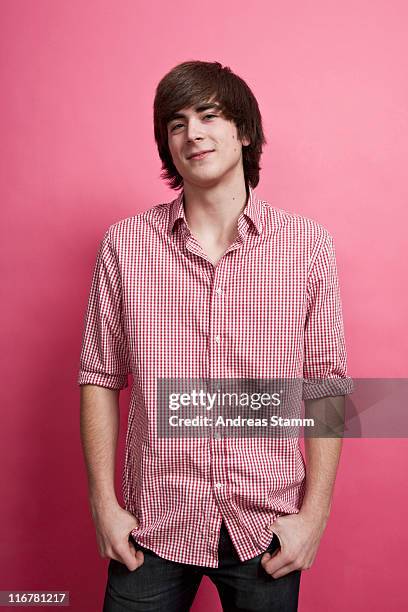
(113, 526)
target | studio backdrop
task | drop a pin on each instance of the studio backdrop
(78, 154)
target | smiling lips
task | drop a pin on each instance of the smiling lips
(200, 155)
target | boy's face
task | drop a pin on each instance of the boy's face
(204, 128)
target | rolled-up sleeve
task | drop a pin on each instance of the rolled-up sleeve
(325, 358)
(104, 358)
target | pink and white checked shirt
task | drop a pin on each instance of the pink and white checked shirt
(158, 307)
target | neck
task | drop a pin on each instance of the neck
(213, 212)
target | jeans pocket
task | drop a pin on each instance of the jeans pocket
(136, 544)
(274, 544)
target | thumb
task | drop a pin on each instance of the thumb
(134, 559)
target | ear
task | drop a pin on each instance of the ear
(245, 142)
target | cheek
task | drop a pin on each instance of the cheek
(174, 152)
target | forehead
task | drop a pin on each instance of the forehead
(198, 108)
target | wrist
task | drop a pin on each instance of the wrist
(99, 501)
(319, 513)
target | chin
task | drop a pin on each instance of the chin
(207, 174)
(205, 181)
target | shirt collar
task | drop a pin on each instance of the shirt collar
(253, 211)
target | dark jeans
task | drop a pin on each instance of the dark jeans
(165, 585)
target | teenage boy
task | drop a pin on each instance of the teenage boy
(216, 284)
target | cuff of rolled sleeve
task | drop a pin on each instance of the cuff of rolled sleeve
(102, 379)
(316, 388)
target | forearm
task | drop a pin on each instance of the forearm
(99, 424)
(322, 453)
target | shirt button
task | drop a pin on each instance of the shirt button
(217, 339)
(218, 485)
(217, 435)
(219, 291)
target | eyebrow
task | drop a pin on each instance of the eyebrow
(199, 109)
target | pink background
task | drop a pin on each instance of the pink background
(78, 153)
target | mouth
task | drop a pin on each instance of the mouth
(200, 155)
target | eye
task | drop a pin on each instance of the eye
(175, 126)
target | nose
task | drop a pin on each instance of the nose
(194, 130)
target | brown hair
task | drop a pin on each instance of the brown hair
(192, 82)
